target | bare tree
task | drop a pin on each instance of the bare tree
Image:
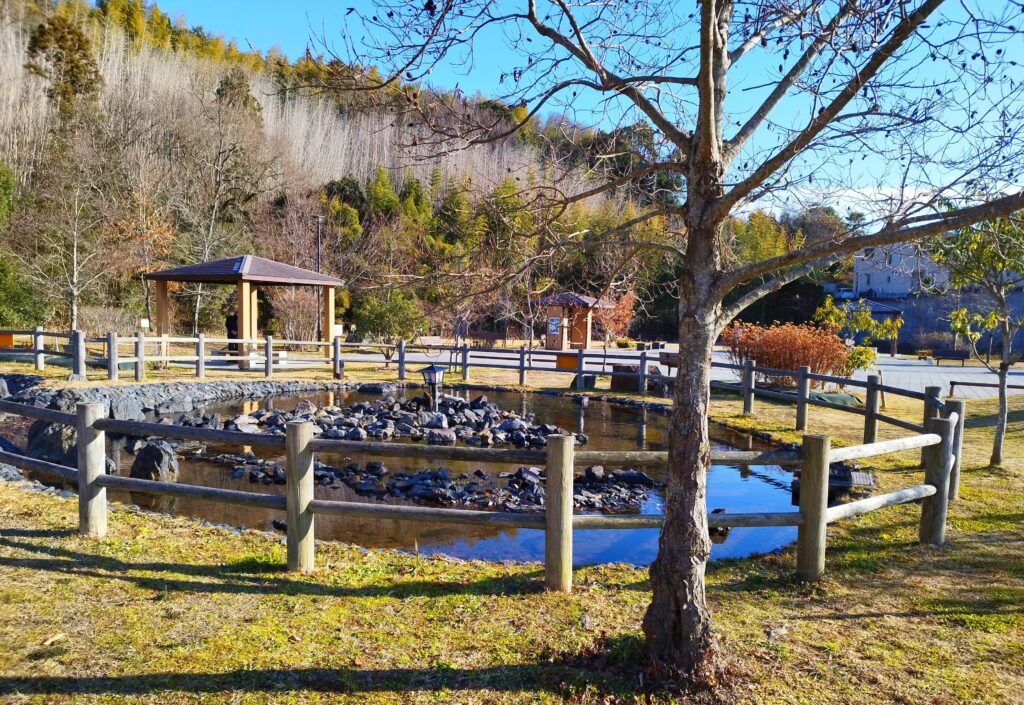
(223, 168)
(61, 233)
(895, 106)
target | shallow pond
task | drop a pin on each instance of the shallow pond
(608, 427)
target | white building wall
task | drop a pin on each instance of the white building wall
(895, 271)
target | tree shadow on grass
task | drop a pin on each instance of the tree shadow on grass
(609, 669)
(245, 576)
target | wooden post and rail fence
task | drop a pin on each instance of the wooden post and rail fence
(938, 440)
(270, 355)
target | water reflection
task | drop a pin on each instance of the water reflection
(608, 427)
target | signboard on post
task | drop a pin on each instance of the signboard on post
(554, 325)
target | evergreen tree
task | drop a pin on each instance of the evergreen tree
(348, 191)
(59, 51)
(381, 200)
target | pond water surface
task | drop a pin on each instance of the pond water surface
(737, 489)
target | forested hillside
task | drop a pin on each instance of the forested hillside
(131, 142)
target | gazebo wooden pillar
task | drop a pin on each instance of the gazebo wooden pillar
(163, 318)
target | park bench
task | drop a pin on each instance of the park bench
(961, 355)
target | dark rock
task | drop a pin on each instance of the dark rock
(304, 408)
(632, 477)
(441, 436)
(55, 443)
(589, 382)
(156, 461)
(356, 434)
(126, 408)
(594, 473)
(437, 421)
(176, 406)
(378, 388)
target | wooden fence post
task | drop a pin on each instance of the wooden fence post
(338, 365)
(938, 463)
(112, 367)
(77, 357)
(522, 365)
(39, 348)
(92, 499)
(140, 356)
(268, 357)
(580, 362)
(871, 410)
(465, 362)
(642, 376)
(958, 407)
(299, 493)
(810, 540)
(200, 356)
(803, 392)
(748, 387)
(401, 359)
(558, 514)
(931, 410)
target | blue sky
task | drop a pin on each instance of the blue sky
(262, 24)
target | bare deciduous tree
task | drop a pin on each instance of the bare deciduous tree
(60, 234)
(895, 104)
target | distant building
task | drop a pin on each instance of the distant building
(895, 272)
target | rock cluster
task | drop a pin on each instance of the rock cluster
(56, 443)
(522, 490)
(132, 402)
(476, 423)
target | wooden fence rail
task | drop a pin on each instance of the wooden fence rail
(268, 354)
(560, 457)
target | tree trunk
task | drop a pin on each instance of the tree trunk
(997, 443)
(680, 643)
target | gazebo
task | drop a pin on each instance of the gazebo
(570, 319)
(247, 273)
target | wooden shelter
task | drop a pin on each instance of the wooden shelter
(247, 273)
(570, 320)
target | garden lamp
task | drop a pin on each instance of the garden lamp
(433, 377)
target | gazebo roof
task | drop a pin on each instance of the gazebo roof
(571, 298)
(247, 268)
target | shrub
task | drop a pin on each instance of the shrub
(860, 358)
(623, 343)
(786, 346)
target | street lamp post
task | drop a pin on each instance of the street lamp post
(433, 377)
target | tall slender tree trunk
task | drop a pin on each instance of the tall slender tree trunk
(997, 442)
(680, 642)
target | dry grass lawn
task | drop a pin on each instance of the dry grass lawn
(165, 610)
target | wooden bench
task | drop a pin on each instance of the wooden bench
(961, 355)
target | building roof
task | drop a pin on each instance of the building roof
(571, 298)
(247, 268)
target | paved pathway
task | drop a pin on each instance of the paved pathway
(907, 373)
